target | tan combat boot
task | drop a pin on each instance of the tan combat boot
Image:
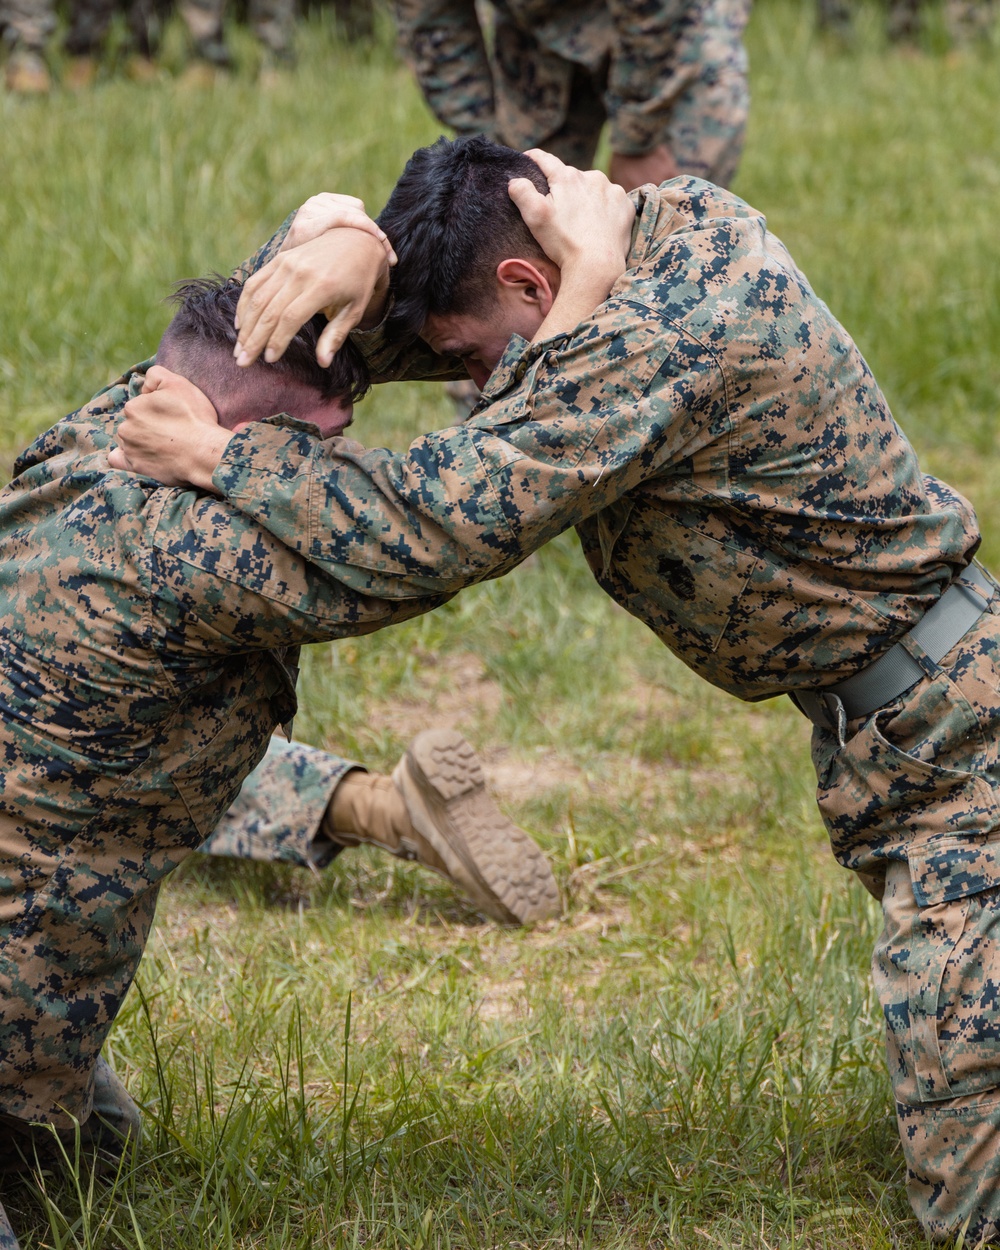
(27, 73)
(435, 810)
(107, 1136)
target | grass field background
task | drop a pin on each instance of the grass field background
(692, 1056)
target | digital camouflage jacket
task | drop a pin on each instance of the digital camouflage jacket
(147, 646)
(733, 471)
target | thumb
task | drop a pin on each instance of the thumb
(118, 460)
(156, 377)
(332, 339)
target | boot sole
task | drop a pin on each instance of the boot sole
(507, 874)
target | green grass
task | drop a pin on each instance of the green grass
(692, 1056)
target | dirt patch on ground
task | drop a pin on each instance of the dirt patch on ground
(516, 779)
(454, 690)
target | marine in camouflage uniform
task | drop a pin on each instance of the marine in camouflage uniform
(666, 71)
(965, 19)
(26, 27)
(738, 483)
(148, 641)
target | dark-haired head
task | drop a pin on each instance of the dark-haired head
(198, 343)
(451, 223)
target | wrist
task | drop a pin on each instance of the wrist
(206, 454)
(594, 275)
(375, 309)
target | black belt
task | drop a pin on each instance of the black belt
(940, 628)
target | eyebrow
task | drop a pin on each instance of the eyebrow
(452, 349)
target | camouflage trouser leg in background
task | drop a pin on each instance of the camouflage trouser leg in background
(903, 19)
(922, 776)
(277, 815)
(90, 21)
(27, 23)
(273, 22)
(708, 122)
(203, 19)
(971, 19)
(834, 15)
(545, 101)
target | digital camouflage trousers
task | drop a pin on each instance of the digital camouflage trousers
(48, 1056)
(543, 100)
(911, 797)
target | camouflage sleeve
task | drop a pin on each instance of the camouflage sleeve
(228, 578)
(571, 426)
(443, 43)
(646, 76)
(388, 362)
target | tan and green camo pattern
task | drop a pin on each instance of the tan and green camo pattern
(27, 23)
(738, 483)
(147, 642)
(661, 71)
(278, 815)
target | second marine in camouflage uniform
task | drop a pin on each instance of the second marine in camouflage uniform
(738, 483)
(660, 71)
(148, 642)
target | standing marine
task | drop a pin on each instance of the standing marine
(668, 76)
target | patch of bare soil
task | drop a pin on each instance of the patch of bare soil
(454, 691)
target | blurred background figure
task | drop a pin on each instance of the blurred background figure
(902, 18)
(272, 21)
(669, 76)
(964, 20)
(355, 18)
(27, 26)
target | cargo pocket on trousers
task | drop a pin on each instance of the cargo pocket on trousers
(954, 986)
(887, 789)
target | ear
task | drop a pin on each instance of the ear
(529, 281)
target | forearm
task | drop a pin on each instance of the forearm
(248, 591)
(468, 503)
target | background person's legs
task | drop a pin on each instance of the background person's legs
(708, 121)
(27, 27)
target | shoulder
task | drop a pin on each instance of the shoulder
(89, 428)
